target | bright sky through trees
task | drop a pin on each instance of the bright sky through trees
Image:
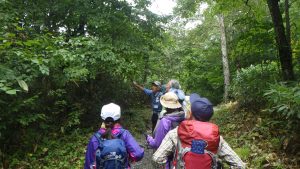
(162, 7)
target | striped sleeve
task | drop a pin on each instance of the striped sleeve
(226, 153)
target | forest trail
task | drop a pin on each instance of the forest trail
(146, 162)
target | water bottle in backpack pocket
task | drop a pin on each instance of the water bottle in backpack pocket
(111, 154)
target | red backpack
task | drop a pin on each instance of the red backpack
(197, 145)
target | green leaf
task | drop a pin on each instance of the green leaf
(23, 85)
(11, 92)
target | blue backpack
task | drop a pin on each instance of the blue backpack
(111, 154)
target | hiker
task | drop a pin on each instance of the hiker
(112, 145)
(174, 86)
(163, 88)
(170, 120)
(196, 142)
(155, 95)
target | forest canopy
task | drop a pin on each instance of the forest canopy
(61, 60)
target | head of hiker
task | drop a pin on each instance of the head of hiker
(110, 114)
(155, 86)
(201, 108)
(172, 84)
(170, 101)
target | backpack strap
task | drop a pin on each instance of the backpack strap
(214, 159)
(180, 154)
(121, 133)
(99, 139)
(98, 150)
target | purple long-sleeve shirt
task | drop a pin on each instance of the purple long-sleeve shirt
(164, 126)
(135, 152)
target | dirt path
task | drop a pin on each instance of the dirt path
(146, 162)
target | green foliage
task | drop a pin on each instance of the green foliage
(55, 151)
(249, 84)
(285, 100)
(136, 120)
(258, 138)
(243, 152)
(62, 60)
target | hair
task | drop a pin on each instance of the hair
(109, 124)
(175, 84)
(173, 110)
(202, 119)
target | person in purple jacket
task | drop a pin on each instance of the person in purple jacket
(170, 120)
(111, 114)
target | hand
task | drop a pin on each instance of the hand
(148, 138)
(134, 82)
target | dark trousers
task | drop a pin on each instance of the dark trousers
(154, 119)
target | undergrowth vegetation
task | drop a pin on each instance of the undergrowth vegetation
(249, 84)
(64, 151)
(260, 138)
(285, 100)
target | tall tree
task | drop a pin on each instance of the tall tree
(287, 21)
(224, 57)
(283, 46)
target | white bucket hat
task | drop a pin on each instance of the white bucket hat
(111, 110)
(170, 100)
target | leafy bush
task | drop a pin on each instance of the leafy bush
(136, 119)
(284, 100)
(249, 84)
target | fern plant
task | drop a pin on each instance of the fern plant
(284, 100)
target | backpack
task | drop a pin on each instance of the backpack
(197, 145)
(110, 154)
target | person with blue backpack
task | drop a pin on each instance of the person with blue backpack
(112, 147)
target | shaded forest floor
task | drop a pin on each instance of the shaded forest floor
(259, 138)
(260, 141)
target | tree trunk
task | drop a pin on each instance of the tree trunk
(81, 25)
(283, 46)
(224, 57)
(287, 22)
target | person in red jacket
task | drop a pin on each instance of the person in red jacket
(196, 137)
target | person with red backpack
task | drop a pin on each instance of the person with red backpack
(196, 143)
(112, 146)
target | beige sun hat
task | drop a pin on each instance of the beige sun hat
(170, 100)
